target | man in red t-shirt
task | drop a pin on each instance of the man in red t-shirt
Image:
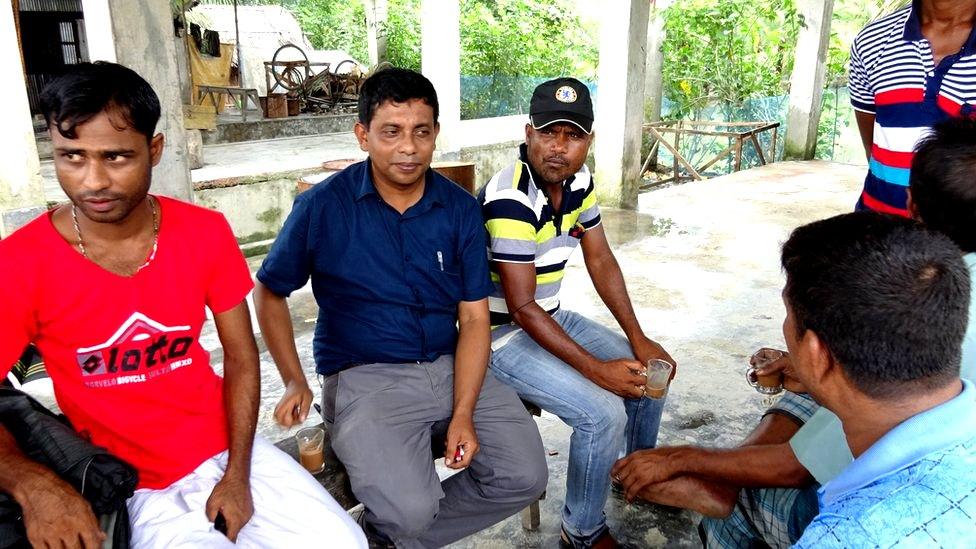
(115, 302)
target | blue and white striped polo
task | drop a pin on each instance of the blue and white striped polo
(894, 77)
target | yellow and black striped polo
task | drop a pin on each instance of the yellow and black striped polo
(523, 227)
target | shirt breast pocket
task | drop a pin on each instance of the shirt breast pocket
(445, 272)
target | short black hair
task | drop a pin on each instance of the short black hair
(397, 85)
(86, 89)
(888, 297)
(943, 181)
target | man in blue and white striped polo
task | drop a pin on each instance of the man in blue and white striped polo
(909, 71)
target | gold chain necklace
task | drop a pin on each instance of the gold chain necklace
(155, 226)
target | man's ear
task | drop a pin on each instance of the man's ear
(821, 366)
(911, 206)
(362, 133)
(528, 131)
(156, 146)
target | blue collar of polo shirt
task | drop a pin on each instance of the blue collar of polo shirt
(913, 26)
(913, 29)
(434, 193)
(939, 428)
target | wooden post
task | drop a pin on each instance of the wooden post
(738, 154)
(677, 152)
(240, 56)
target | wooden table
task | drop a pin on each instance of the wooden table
(239, 95)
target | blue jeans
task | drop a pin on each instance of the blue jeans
(605, 426)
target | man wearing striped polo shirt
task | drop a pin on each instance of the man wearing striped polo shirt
(909, 71)
(537, 211)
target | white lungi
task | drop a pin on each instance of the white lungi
(291, 509)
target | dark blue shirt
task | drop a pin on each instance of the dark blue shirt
(387, 285)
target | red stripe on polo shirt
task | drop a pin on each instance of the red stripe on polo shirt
(893, 159)
(879, 206)
(949, 106)
(903, 95)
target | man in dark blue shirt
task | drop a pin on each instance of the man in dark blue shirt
(397, 258)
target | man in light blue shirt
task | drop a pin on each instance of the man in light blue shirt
(944, 192)
(876, 313)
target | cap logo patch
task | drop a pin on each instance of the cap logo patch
(566, 94)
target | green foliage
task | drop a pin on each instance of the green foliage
(509, 46)
(726, 51)
(334, 25)
(403, 33)
(525, 38)
(506, 45)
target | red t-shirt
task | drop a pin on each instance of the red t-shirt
(124, 352)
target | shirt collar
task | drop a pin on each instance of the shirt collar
(913, 25)
(913, 29)
(434, 193)
(939, 428)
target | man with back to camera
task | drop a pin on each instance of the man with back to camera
(114, 301)
(396, 257)
(909, 71)
(780, 470)
(537, 211)
(876, 312)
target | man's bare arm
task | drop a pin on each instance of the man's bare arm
(470, 365)
(609, 283)
(242, 391)
(55, 514)
(765, 459)
(274, 318)
(865, 126)
(519, 284)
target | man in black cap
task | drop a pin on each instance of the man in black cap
(536, 212)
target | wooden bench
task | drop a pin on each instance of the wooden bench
(239, 95)
(336, 481)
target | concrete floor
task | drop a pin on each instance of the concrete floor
(701, 262)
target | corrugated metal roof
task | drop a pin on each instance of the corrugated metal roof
(51, 5)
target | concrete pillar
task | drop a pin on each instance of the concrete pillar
(654, 71)
(21, 187)
(620, 101)
(806, 86)
(654, 75)
(376, 17)
(440, 61)
(139, 35)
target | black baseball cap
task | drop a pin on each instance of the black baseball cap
(561, 100)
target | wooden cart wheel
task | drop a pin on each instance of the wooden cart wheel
(292, 74)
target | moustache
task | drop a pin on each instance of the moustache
(556, 160)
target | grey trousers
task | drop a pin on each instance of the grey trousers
(382, 418)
